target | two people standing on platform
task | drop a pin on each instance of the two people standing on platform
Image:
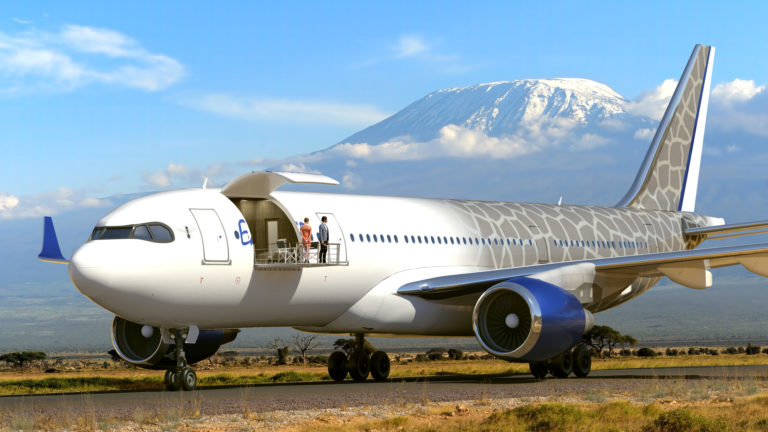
(322, 238)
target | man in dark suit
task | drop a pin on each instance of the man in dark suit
(322, 237)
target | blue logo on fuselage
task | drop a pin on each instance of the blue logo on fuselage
(245, 236)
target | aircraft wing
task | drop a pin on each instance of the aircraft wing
(688, 268)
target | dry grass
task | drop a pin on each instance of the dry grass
(130, 378)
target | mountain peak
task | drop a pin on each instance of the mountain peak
(498, 108)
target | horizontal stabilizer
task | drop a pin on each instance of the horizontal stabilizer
(728, 231)
(51, 251)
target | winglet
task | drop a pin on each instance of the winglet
(51, 251)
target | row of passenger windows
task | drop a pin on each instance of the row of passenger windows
(381, 238)
(621, 244)
(154, 232)
(435, 240)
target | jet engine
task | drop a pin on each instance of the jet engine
(527, 319)
(144, 346)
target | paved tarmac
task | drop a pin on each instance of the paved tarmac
(292, 396)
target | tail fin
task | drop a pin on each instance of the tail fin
(51, 251)
(669, 176)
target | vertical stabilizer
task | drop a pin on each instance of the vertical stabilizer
(669, 176)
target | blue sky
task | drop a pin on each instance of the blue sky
(101, 98)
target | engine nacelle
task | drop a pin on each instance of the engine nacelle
(148, 350)
(528, 319)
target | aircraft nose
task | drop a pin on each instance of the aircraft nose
(87, 271)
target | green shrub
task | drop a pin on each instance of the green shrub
(455, 354)
(752, 349)
(646, 352)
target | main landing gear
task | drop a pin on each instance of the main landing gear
(577, 361)
(359, 363)
(182, 376)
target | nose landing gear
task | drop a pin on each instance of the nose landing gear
(359, 363)
(182, 376)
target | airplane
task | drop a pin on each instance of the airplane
(183, 270)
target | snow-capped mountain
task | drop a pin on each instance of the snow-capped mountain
(499, 108)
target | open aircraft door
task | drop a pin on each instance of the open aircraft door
(336, 254)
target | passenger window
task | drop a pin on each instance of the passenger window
(438, 240)
(452, 240)
(433, 239)
(389, 238)
(360, 236)
(352, 237)
(414, 240)
(375, 239)
(406, 238)
(395, 238)
(160, 233)
(141, 232)
(368, 237)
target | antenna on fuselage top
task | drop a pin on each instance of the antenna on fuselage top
(560, 201)
(205, 183)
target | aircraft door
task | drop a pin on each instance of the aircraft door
(336, 254)
(215, 245)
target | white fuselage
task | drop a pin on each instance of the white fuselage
(206, 276)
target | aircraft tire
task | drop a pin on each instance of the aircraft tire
(539, 369)
(337, 366)
(188, 379)
(359, 366)
(380, 366)
(562, 365)
(582, 361)
(172, 380)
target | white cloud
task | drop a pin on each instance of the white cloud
(7, 201)
(47, 203)
(293, 111)
(299, 167)
(737, 90)
(588, 141)
(20, 21)
(77, 56)
(652, 103)
(740, 105)
(411, 46)
(351, 181)
(180, 175)
(644, 133)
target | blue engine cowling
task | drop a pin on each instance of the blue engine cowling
(153, 353)
(528, 319)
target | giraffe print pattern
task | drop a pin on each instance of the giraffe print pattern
(663, 184)
(554, 233)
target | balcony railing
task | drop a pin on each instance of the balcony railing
(288, 255)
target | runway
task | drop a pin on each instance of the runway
(304, 396)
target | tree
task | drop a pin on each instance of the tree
(282, 350)
(19, 359)
(304, 343)
(601, 337)
(347, 345)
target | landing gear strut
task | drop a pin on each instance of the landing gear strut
(577, 361)
(359, 363)
(181, 376)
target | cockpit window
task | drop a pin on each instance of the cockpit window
(154, 232)
(114, 233)
(160, 233)
(141, 232)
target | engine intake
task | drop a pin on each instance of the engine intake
(529, 319)
(144, 346)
